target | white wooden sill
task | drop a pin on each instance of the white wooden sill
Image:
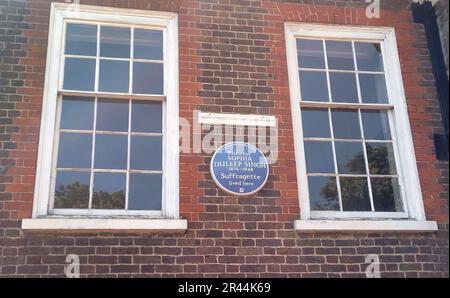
(104, 224)
(313, 226)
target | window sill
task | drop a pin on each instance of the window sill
(104, 224)
(313, 226)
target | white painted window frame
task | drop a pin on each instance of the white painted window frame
(399, 121)
(168, 22)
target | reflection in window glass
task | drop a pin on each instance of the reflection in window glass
(376, 125)
(343, 87)
(346, 124)
(77, 113)
(323, 193)
(381, 158)
(114, 76)
(340, 55)
(74, 150)
(112, 115)
(72, 190)
(148, 44)
(146, 153)
(350, 158)
(145, 192)
(81, 39)
(314, 86)
(146, 116)
(386, 195)
(319, 157)
(310, 54)
(368, 56)
(111, 151)
(316, 123)
(109, 191)
(148, 78)
(79, 74)
(355, 194)
(373, 88)
(115, 42)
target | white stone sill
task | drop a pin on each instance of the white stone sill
(314, 226)
(104, 224)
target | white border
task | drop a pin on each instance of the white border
(60, 12)
(408, 166)
(227, 190)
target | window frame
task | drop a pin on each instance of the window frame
(53, 92)
(398, 119)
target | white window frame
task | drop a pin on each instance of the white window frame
(400, 129)
(45, 176)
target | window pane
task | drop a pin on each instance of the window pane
(77, 113)
(323, 193)
(112, 115)
(114, 76)
(346, 124)
(148, 44)
(310, 53)
(72, 190)
(369, 56)
(75, 150)
(110, 151)
(81, 39)
(373, 88)
(148, 78)
(109, 191)
(355, 194)
(145, 192)
(79, 74)
(114, 42)
(386, 195)
(319, 157)
(376, 125)
(350, 158)
(146, 153)
(146, 116)
(381, 158)
(340, 55)
(343, 87)
(314, 86)
(316, 123)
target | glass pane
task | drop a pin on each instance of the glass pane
(376, 125)
(340, 55)
(145, 192)
(343, 87)
(381, 158)
(148, 78)
(373, 88)
(316, 123)
(114, 76)
(146, 153)
(350, 158)
(112, 115)
(77, 113)
(346, 124)
(75, 150)
(81, 39)
(355, 194)
(310, 53)
(386, 195)
(146, 116)
(79, 74)
(72, 190)
(114, 42)
(319, 157)
(323, 193)
(148, 44)
(109, 191)
(314, 86)
(110, 151)
(368, 56)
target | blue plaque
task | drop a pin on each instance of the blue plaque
(239, 168)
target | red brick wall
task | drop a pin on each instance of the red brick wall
(232, 59)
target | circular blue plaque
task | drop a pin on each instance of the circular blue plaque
(239, 168)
